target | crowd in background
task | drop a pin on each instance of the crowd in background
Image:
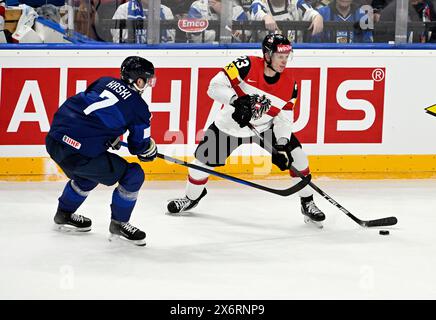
(101, 19)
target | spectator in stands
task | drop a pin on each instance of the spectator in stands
(419, 11)
(271, 11)
(246, 4)
(86, 18)
(211, 10)
(135, 9)
(180, 10)
(105, 10)
(346, 11)
(49, 12)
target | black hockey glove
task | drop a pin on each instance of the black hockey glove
(250, 107)
(283, 158)
(243, 110)
(114, 144)
(149, 154)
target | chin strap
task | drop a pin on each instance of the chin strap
(268, 64)
(137, 89)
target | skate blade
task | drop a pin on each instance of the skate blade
(66, 228)
(121, 239)
(178, 214)
(309, 221)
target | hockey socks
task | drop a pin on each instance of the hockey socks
(74, 194)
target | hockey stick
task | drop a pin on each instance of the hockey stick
(284, 193)
(389, 221)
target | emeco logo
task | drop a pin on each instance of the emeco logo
(193, 25)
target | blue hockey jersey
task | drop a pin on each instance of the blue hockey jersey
(105, 111)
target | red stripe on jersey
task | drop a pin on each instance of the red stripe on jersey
(305, 172)
(273, 111)
(235, 82)
(235, 85)
(239, 91)
(197, 182)
(288, 106)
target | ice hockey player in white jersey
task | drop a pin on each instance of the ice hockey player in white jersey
(254, 90)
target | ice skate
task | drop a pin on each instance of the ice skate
(312, 214)
(184, 204)
(71, 222)
(126, 232)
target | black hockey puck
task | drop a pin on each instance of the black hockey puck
(384, 232)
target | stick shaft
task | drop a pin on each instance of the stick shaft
(284, 193)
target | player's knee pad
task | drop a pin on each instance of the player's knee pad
(301, 162)
(133, 178)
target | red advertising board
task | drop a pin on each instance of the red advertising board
(354, 103)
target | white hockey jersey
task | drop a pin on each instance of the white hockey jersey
(243, 76)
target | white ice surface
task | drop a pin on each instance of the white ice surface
(239, 243)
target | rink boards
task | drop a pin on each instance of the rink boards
(361, 113)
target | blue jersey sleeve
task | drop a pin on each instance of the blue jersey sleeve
(139, 130)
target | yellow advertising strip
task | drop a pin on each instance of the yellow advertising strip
(341, 167)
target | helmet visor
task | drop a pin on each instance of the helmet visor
(151, 82)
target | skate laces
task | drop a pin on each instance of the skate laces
(182, 203)
(129, 228)
(312, 208)
(77, 218)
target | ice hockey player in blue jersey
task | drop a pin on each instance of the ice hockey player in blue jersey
(82, 131)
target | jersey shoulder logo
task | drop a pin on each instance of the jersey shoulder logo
(231, 71)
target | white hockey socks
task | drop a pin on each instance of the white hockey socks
(196, 181)
(301, 163)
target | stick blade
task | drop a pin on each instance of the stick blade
(383, 222)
